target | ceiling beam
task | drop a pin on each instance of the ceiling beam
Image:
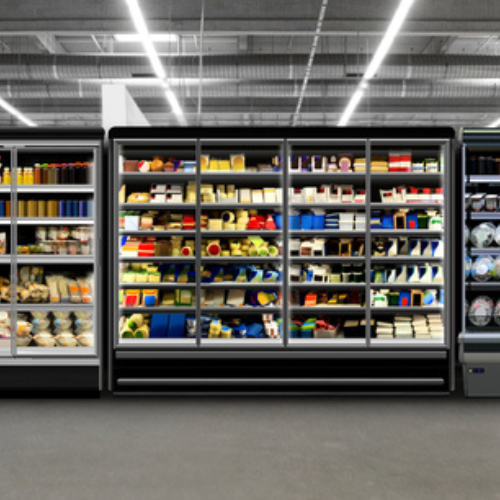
(50, 44)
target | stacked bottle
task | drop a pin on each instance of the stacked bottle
(54, 174)
(54, 208)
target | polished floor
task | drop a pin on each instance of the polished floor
(250, 448)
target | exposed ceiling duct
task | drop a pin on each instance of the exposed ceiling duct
(275, 90)
(246, 67)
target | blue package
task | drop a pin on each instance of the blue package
(62, 209)
(69, 209)
(82, 208)
(254, 330)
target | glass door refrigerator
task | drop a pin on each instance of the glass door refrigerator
(480, 294)
(280, 260)
(50, 263)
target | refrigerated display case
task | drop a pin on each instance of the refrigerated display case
(281, 260)
(479, 338)
(50, 338)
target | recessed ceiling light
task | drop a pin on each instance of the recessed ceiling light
(145, 38)
(156, 37)
(378, 57)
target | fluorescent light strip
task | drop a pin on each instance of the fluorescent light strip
(155, 37)
(145, 38)
(495, 124)
(14, 112)
(378, 57)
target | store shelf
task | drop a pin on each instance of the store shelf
(409, 175)
(329, 286)
(329, 205)
(489, 285)
(158, 309)
(57, 352)
(58, 188)
(173, 260)
(55, 259)
(354, 309)
(157, 343)
(56, 306)
(332, 232)
(407, 310)
(483, 179)
(157, 206)
(483, 215)
(407, 342)
(406, 285)
(167, 177)
(234, 260)
(151, 232)
(5, 188)
(330, 342)
(241, 234)
(240, 310)
(242, 342)
(65, 221)
(409, 206)
(485, 251)
(231, 175)
(406, 232)
(243, 206)
(156, 286)
(405, 259)
(327, 176)
(326, 260)
(4, 221)
(250, 286)
(5, 259)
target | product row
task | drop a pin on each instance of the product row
(131, 273)
(178, 326)
(424, 327)
(407, 298)
(160, 193)
(483, 165)
(37, 286)
(483, 235)
(55, 329)
(482, 202)
(403, 219)
(55, 208)
(393, 161)
(61, 240)
(482, 309)
(55, 173)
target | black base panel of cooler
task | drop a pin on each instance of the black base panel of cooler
(278, 376)
(76, 381)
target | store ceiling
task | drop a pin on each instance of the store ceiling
(442, 69)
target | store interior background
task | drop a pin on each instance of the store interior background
(248, 63)
(244, 63)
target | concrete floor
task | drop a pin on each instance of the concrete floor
(250, 448)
